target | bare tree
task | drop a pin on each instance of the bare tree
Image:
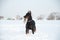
(40, 17)
(54, 16)
(18, 17)
(1, 17)
(51, 17)
(58, 17)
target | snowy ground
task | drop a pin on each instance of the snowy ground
(15, 30)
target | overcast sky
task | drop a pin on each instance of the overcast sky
(11, 8)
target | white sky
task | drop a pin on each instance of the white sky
(11, 8)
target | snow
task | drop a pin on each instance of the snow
(15, 30)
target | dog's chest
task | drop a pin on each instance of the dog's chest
(29, 24)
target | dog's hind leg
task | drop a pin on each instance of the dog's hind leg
(33, 30)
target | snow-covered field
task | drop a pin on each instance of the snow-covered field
(15, 30)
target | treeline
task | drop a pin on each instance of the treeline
(51, 16)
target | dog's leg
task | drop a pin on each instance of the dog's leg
(27, 31)
(33, 29)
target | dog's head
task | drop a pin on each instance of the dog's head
(28, 14)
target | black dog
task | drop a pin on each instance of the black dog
(30, 25)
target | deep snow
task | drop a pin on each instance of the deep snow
(15, 30)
